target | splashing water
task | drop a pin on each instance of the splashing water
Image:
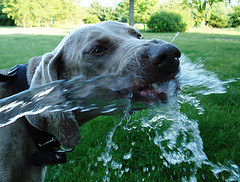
(176, 137)
(176, 35)
(62, 95)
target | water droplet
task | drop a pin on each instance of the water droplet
(116, 165)
(128, 155)
(145, 169)
(126, 170)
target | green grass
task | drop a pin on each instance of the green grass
(219, 125)
(19, 48)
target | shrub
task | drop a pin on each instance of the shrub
(4, 20)
(91, 19)
(235, 18)
(166, 22)
(219, 16)
(176, 6)
(217, 22)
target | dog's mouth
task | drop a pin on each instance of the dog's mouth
(156, 91)
(159, 91)
(149, 94)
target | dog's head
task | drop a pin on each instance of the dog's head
(104, 48)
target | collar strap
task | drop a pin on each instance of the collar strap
(49, 149)
(18, 74)
(43, 140)
(10, 75)
(21, 82)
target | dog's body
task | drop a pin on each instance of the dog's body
(104, 48)
(16, 149)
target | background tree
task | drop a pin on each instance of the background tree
(25, 13)
(235, 17)
(4, 20)
(122, 12)
(219, 15)
(202, 7)
(131, 13)
(91, 19)
(19, 10)
(98, 10)
(177, 7)
(103, 13)
(142, 10)
(40, 13)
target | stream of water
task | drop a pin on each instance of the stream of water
(63, 95)
(176, 136)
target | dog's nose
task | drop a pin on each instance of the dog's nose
(165, 56)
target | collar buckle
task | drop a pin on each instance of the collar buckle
(13, 70)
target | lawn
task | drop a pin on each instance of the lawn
(219, 125)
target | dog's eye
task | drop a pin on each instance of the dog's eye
(98, 50)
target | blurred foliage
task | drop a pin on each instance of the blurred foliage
(172, 16)
(219, 15)
(103, 13)
(91, 19)
(235, 17)
(180, 8)
(213, 13)
(166, 22)
(201, 8)
(42, 13)
(4, 19)
(143, 9)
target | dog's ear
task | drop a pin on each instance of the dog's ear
(62, 125)
(47, 69)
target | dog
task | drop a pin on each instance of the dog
(104, 48)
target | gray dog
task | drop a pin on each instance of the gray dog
(104, 48)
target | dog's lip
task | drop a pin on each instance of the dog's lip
(151, 93)
(144, 89)
(158, 90)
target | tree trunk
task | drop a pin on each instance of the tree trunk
(39, 22)
(131, 13)
(203, 22)
(24, 23)
(51, 20)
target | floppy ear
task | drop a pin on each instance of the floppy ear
(47, 70)
(62, 125)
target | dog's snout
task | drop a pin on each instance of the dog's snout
(165, 56)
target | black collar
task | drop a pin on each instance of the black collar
(20, 81)
(50, 151)
(17, 74)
